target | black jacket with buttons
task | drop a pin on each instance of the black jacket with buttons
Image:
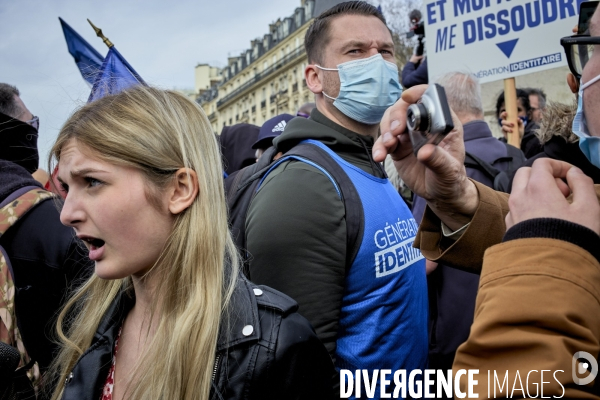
(268, 351)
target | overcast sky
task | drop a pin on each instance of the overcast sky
(162, 40)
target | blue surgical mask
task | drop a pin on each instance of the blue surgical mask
(368, 87)
(589, 145)
(524, 119)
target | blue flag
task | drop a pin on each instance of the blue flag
(88, 60)
(115, 75)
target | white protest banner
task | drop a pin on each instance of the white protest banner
(497, 39)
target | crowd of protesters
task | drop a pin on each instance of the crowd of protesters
(123, 274)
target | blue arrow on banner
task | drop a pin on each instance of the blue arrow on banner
(507, 47)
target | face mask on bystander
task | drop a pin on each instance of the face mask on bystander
(368, 87)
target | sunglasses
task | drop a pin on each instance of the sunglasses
(579, 49)
(35, 122)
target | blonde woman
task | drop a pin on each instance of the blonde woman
(166, 314)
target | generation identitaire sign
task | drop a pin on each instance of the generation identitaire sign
(497, 39)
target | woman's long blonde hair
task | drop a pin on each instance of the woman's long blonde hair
(159, 131)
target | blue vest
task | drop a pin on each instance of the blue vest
(383, 321)
(384, 315)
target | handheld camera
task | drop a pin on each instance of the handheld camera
(430, 120)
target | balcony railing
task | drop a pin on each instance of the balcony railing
(294, 87)
(279, 97)
(285, 60)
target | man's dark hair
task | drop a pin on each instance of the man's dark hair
(521, 94)
(540, 94)
(317, 36)
(8, 105)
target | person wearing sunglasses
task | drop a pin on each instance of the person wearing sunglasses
(12, 105)
(23, 141)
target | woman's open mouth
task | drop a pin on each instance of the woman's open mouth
(95, 246)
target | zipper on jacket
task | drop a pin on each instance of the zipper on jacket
(214, 374)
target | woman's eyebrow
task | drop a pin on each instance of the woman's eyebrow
(79, 172)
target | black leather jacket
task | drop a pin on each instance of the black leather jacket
(269, 351)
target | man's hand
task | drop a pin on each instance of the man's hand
(415, 59)
(540, 192)
(430, 266)
(437, 174)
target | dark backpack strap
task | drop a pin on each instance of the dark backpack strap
(475, 162)
(239, 192)
(12, 209)
(18, 193)
(500, 179)
(349, 195)
(517, 158)
(236, 179)
(19, 203)
(244, 184)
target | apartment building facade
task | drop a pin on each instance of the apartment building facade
(268, 78)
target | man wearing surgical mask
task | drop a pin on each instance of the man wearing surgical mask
(538, 305)
(296, 226)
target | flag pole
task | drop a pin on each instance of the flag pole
(100, 35)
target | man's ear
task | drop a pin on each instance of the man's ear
(184, 190)
(313, 82)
